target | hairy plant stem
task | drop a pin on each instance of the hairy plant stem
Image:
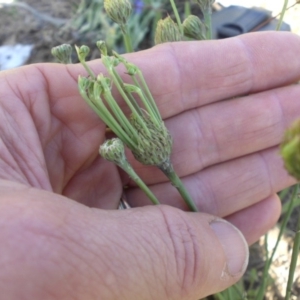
(127, 39)
(175, 10)
(285, 4)
(129, 170)
(293, 263)
(168, 170)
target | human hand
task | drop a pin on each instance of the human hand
(226, 103)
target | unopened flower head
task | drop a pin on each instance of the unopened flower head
(118, 10)
(102, 47)
(82, 52)
(290, 150)
(113, 150)
(194, 28)
(167, 31)
(63, 53)
(155, 146)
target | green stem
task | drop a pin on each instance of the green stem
(130, 97)
(127, 39)
(285, 4)
(187, 9)
(168, 170)
(88, 69)
(147, 104)
(148, 93)
(177, 16)
(207, 21)
(119, 86)
(120, 116)
(129, 170)
(263, 286)
(105, 115)
(293, 264)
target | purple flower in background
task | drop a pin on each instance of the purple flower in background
(138, 6)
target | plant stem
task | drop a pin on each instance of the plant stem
(187, 9)
(177, 16)
(88, 69)
(265, 276)
(127, 39)
(168, 170)
(285, 4)
(293, 264)
(129, 170)
(207, 21)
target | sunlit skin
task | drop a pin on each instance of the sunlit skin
(226, 103)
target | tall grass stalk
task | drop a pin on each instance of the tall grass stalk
(265, 278)
(293, 264)
(285, 4)
(178, 20)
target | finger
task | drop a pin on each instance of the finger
(185, 75)
(152, 253)
(225, 188)
(96, 186)
(256, 220)
(228, 129)
(192, 75)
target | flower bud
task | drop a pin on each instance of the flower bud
(113, 150)
(154, 149)
(167, 31)
(63, 53)
(194, 28)
(102, 47)
(118, 10)
(82, 52)
(290, 150)
(84, 85)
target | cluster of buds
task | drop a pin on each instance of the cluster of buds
(144, 132)
(290, 150)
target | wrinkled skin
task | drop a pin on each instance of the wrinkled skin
(226, 104)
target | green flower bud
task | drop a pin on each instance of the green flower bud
(84, 85)
(290, 150)
(63, 53)
(82, 52)
(205, 4)
(102, 47)
(154, 149)
(118, 10)
(167, 31)
(194, 28)
(113, 150)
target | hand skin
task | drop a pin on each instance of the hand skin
(227, 104)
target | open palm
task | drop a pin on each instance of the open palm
(226, 104)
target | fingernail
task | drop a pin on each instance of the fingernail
(234, 245)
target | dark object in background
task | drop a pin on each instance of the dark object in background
(235, 20)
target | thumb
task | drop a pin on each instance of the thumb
(55, 248)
